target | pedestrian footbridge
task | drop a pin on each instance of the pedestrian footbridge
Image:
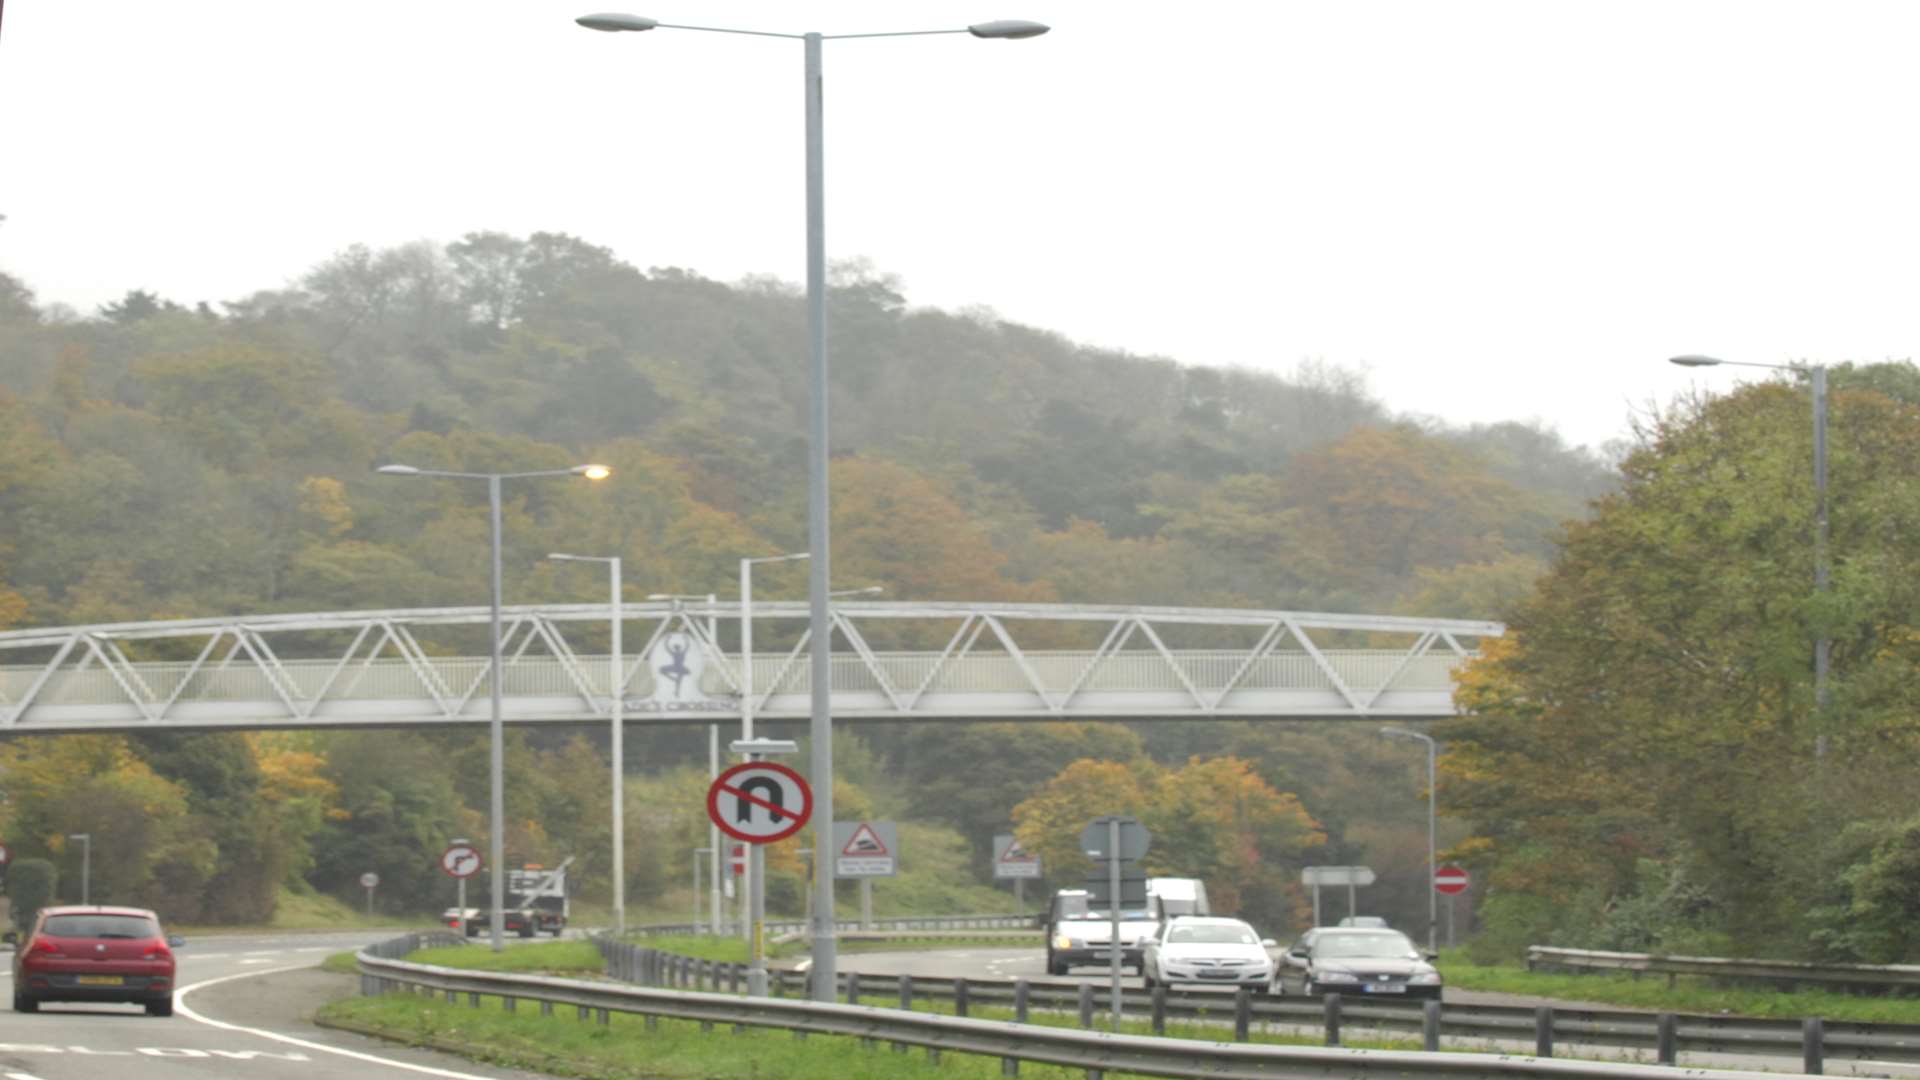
(892, 661)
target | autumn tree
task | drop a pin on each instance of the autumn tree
(1654, 698)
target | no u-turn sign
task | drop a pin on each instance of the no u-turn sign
(759, 802)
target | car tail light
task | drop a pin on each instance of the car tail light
(47, 947)
(157, 951)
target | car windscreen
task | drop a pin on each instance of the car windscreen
(1371, 945)
(1213, 935)
(100, 926)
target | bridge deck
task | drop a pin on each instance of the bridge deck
(385, 668)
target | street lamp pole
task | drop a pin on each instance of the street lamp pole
(86, 865)
(616, 693)
(1433, 865)
(1823, 645)
(820, 721)
(497, 743)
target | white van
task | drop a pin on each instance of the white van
(1179, 896)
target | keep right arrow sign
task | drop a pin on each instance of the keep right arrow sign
(1450, 879)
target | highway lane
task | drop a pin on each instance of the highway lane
(241, 1012)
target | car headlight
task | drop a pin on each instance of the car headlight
(1335, 977)
(1425, 978)
(1065, 942)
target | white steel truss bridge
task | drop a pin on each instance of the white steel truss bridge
(893, 661)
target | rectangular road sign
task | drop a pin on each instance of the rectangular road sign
(866, 849)
(1336, 875)
(1010, 860)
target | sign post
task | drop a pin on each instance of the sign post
(1010, 860)
(1350, 876)
(868, 849)
(1115, 839)
(758, 803)
(461, 861)
(367, 881)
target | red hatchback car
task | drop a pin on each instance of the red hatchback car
(95, 954)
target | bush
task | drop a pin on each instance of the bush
(31, 884)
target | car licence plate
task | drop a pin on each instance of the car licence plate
(100, 980)
(1386, 988)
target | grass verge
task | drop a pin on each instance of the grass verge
(1689, 994)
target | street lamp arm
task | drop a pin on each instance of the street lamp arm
(591, 472)
(1714, 361)
(1010, 29)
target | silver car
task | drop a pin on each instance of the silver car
(1208, 951)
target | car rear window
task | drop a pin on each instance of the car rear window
(101, 926)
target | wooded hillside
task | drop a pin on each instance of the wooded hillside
(161, 459)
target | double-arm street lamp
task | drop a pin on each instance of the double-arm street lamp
(1817, 377)
(819, 728)
(1433, 866)
(616, 693)
(497, 753)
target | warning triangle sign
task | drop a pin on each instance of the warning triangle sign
(1016, 854)
(864, 841)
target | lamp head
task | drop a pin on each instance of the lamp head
(397, 470)
(612, 21)
(592, 472)
(1011, 29)
(1695, 361)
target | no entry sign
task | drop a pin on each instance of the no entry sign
(1450, 879)
(759, 802)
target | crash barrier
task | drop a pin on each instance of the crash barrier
(926, 923)
(1012, 1042)
(1789, 973)
(1666, 1034)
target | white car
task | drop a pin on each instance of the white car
(1214, 952)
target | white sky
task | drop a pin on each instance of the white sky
(1498, 210)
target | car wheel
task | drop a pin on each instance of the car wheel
(162, 1007)
(526, 931)
(23, 1003)
(1055, 967)
(1147, 978)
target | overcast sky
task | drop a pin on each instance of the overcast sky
(1497, 210)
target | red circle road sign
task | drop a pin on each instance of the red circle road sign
(460, 860)
(759, 802)
(1450, 879)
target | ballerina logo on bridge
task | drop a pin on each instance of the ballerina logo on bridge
(676, 664)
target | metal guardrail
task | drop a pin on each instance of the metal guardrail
(1883, 976)
(902, 923)
(1666, 1034)
(1094, 1051)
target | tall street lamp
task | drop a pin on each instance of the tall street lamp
(496, 780)
(1817, 376)
(86, 865)
(1433, 866)
(616, 691)
(820, 723)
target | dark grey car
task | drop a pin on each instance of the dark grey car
(1361, 962)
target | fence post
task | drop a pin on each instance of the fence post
(1160, 1009)
(1667, 1041)
(1086, 1005)
(1021, 990)
(1430, 1026)
(853, 988)
(906, 993)
(959, 997)
(1813, 1046)
(1242, 1014)
(1543, 1031)
(1332, 1007)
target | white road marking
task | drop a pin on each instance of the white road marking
(803, 965)
(259, 960)
(22, 1076)
(181, 1007)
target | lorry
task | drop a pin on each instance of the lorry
(536, 902)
